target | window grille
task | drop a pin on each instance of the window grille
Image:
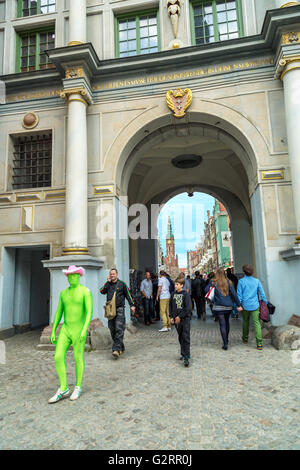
(32, 161)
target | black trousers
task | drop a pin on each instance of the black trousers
(156, 310)
(117, 329)
(200, 305)
(184, 333)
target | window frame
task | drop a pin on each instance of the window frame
(20, 9)
(239, 14)
(38, 32)
(136, 15)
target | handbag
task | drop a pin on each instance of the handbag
(210, 294)
(263, 312)
(110, 308)
(271, 308)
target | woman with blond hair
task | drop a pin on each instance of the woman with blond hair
(224, 297)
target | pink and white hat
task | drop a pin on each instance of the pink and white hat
(74, 270)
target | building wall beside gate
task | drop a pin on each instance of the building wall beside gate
(238, 100)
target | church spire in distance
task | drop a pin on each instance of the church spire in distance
(170, 230)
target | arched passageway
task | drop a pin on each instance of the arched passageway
(149, 177)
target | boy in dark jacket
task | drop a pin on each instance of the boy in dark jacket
(180, 313)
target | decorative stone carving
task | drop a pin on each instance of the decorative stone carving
(174, 8)
(74, 73)
(179, 101)
(290, 38)
(30, 120)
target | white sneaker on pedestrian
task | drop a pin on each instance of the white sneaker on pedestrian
(59, 396)
(163, 329)
(76, 394)
(169, 329)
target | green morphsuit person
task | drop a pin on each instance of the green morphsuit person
(76, 304)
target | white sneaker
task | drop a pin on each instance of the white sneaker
(163, 329)
(169, 329)
(59, 396)
(76, 394)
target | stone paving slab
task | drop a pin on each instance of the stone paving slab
(236, 399)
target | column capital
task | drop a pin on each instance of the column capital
(79, 85)
(66, 94)
(289, 53)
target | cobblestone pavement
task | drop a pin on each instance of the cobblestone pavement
(239, 399)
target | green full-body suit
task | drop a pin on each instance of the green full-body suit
(76, 304)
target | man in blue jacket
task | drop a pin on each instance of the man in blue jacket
(249, 288)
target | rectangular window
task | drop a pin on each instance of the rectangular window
(2, 10)
(31, 47)
(35, 7)
(137, 34)
(32, 161)
(216, 20)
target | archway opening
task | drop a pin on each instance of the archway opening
(188, 158)
(194, 234)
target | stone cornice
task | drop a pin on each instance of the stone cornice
(277, 22)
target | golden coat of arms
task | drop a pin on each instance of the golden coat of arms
(179, 101)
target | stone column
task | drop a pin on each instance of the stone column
(77, 22)
(282, 4)
(76, 230)
(291, 81)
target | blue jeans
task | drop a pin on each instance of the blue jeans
(148, 310)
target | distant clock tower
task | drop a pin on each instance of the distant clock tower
(171, 260)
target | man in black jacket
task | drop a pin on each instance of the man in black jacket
(117, 324)
(180, 314)
(198, 294)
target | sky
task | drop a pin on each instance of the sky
(187, 216)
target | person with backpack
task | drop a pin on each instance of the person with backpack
(224, 298)
(249, 288)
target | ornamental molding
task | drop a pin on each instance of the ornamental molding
(179, 101)
(174, 10)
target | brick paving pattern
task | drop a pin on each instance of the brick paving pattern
(236, 399)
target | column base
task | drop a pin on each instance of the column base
(74, 43)
(297, 241)
(94, 278)
(291, 254)
(75, 251)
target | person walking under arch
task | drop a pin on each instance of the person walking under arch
(198, 294)
(180, 313)
(163, 294)
(248, 290)
(118, 323)
(224, 298)
(146, 289)
(232, 277)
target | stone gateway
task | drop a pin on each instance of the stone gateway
(87, 135)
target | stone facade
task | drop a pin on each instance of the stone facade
(215, 247)
(114, 138)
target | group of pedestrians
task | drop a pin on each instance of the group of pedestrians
(173, 304)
